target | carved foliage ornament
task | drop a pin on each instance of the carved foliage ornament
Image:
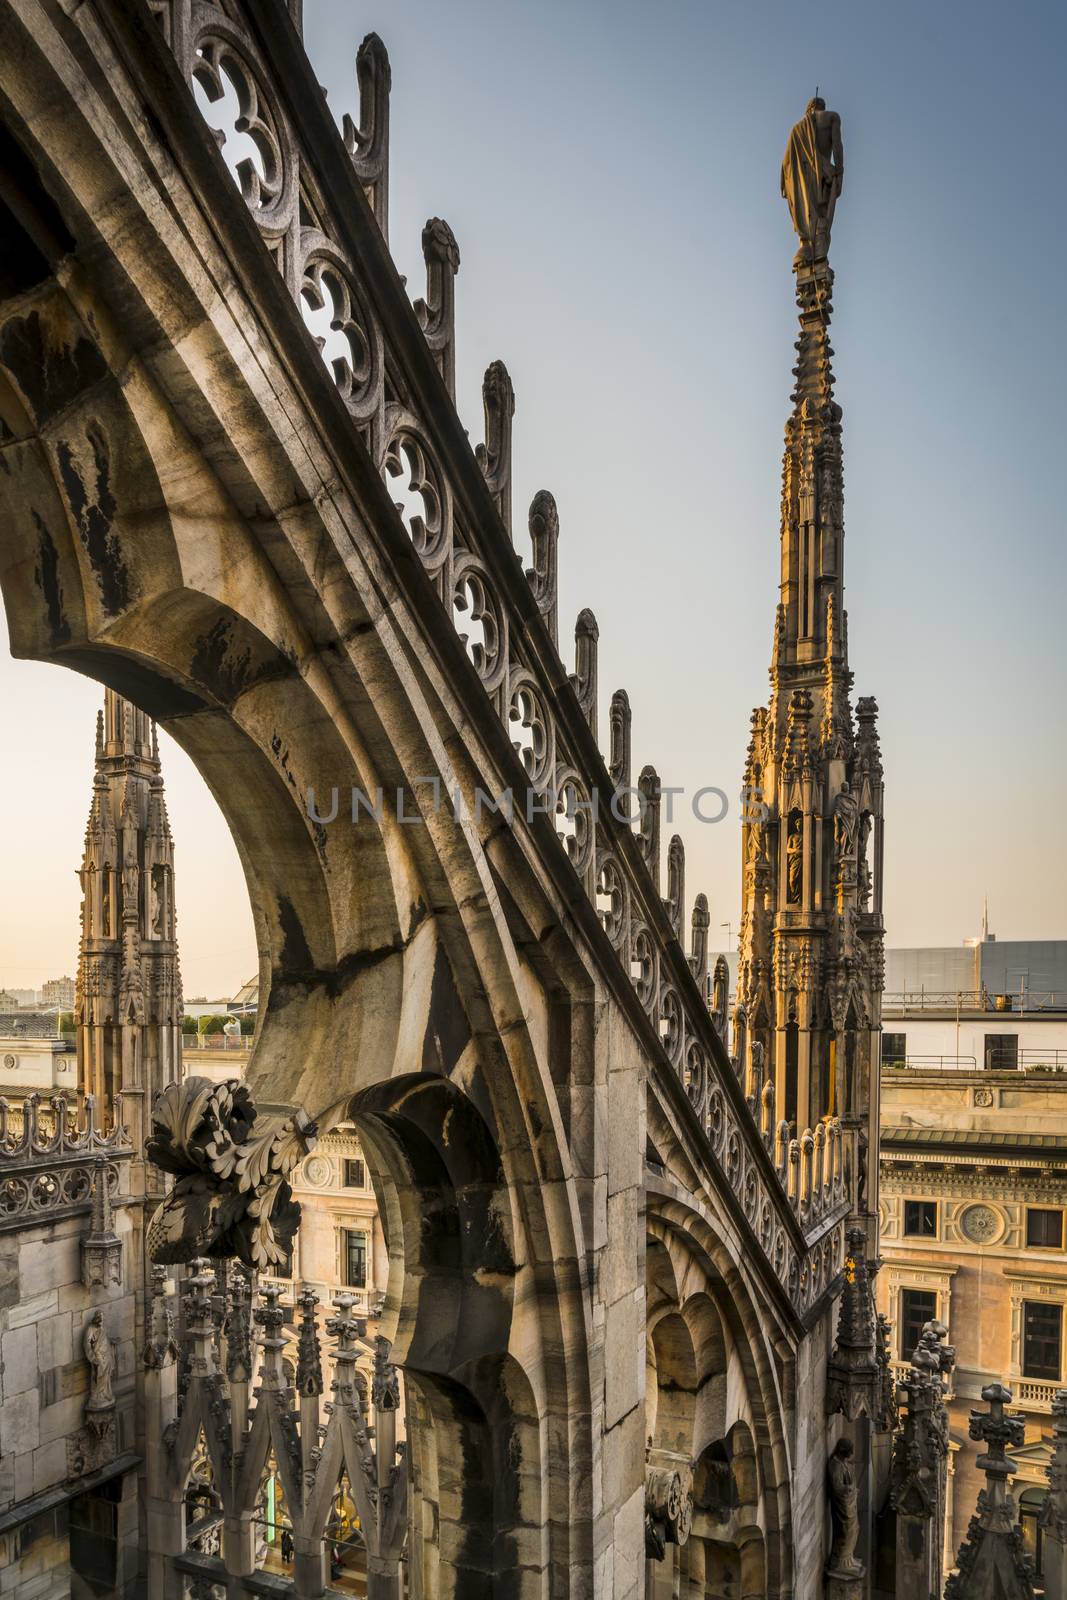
(232, 1197)
(668, 1508)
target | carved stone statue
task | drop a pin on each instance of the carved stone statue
(813, 169)
(100, 1354)
(844, 1512)
(794, 865)
(846, 822)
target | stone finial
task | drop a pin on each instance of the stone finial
(437, 313)
(239, 1328)
(543, 523)
(199, 1317)
(584, 676)
(766, 1109)
(720, 997)
(619, 762)
(648, 787)
(886, 1391)
(494, 456)
(385, 1389)
(868, 760)
(701, 923)
(345, 1329)
(368, 144)
(309, 1360)
(781, 1148)
(853, 1369)
(270, 1317)
(991, 1559)
(675, 901)
(160, 1347)
(997, 1430)
(101, 1247)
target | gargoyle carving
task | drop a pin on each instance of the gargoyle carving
(232, 1197)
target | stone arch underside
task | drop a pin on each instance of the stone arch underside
(742, 1521)
(166, 529)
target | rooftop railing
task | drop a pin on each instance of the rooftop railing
(1019, 1000)
(217, 1041)
(58, 1127)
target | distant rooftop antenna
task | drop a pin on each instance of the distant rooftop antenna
(985, 917)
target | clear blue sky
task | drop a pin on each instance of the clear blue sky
(611, 174)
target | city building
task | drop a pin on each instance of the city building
(974, 1190)
(34, 1058)
(58, 994)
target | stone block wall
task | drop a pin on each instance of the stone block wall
(44, 1382)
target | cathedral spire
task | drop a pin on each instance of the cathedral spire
(128, 1000)
(810, 948)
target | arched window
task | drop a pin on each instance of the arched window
(1031, 1502)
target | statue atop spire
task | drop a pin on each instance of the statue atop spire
(810, 949)
(813, 171)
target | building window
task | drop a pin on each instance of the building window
(917, 1308)
(1001, 1052)
(355, 1176)
(1044, 1229)
(355, 1261)
(1042, 1340)
(920, 1218)
(894, 1049)
(1031, 1503)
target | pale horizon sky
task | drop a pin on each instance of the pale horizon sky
(613, 185)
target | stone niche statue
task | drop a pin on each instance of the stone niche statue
(92, 1446)
(100, 1354)
(813, 169)
(846, 821)
(844, 1512)
(794, 863)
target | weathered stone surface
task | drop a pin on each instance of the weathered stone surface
(19, 1355)
(46, 1264)
(624, 1364)
(18, 1424)
(32, 1308)
(54, 1343)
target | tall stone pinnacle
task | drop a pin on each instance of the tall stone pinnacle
(810, 948)
(129, 998)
